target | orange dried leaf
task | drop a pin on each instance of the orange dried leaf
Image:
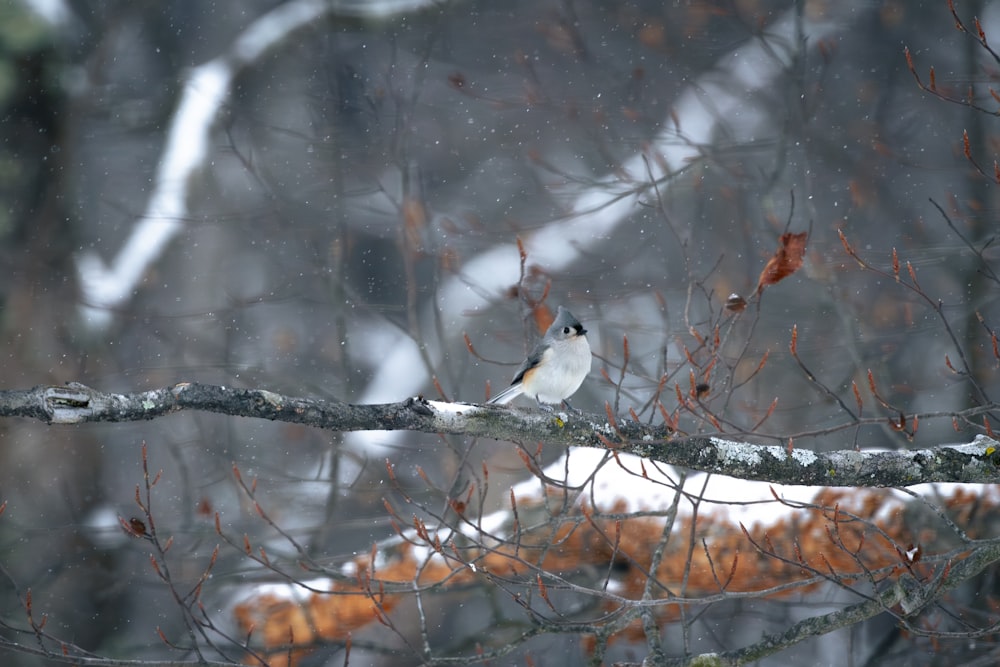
(421, 528)
(787, 260)
(849, 249)
(468, 344)
(913, 274)
(687, 354)
(543, 317)
(898, 425)
(763, 361)
(732, 570)
(423, 475)
(543, 591)
(525, 459)
(611, 416)
(134, 527)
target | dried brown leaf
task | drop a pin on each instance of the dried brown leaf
(787, 260)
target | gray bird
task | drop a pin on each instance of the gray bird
(557, 366)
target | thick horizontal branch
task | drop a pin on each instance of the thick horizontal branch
(976, 462)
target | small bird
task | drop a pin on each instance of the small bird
(557, 366)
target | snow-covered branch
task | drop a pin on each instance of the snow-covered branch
(975, 462)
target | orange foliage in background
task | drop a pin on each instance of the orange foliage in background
(287, 628)
(849, 532)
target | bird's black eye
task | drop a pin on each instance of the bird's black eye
(566, 330)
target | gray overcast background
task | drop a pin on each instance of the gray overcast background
(357, 212)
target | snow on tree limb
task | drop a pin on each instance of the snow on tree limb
(975, 462)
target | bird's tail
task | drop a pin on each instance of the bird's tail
(508, 394)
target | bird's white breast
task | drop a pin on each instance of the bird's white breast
(564, 366)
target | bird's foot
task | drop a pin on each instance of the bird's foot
(572, 409)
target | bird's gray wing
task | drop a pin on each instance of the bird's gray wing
(533, 360)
